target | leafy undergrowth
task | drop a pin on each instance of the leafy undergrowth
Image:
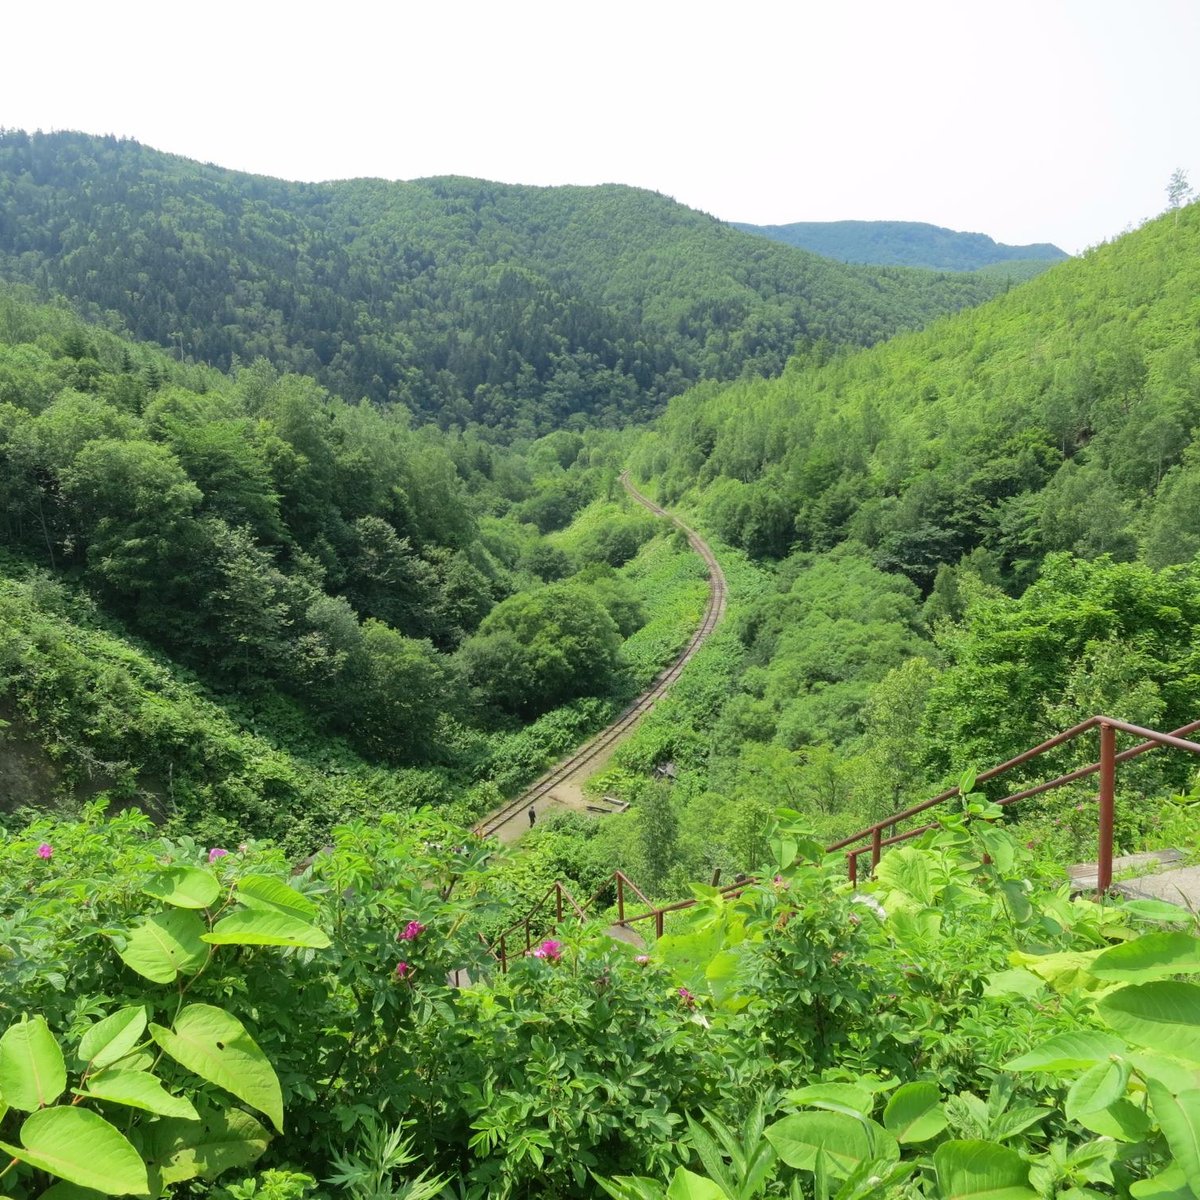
(231, 1029)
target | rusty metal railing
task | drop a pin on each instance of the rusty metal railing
(873, 835)
(1106, 767)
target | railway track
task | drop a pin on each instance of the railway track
(595, 746)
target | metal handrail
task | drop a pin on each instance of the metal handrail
(1105, 767)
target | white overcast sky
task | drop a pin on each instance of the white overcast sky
(1054, 120)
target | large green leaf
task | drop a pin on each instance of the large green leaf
(971, 1170)
(1155, 910)
(33, 1072)
(181, 1150)
(1170, 1185)
(1161, 1016)
(836, 1097)
(62, 1190)
(1068, 1052)
(1097, 1088)
(265, 927)
(1151, 956)
(138, 1089)
(847, 1142)
(215, 1045)
(82, 1147)
(113, 1037)
(167, 945)
(906, 870)
(1179, 1119)
(914, 1113)
(264, 891)
(1123, 1121)
(185, 887)
(688, 1186)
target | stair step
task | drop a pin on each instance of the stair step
(1085, 877)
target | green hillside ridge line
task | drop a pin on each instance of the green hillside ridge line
(903, 243)
(522, 308)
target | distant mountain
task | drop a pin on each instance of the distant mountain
(903, 244)
(520, 308)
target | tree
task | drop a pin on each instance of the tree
(1179, 191)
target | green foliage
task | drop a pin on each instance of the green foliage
(564, 304)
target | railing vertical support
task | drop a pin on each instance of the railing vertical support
(876, 847)
(620, 898)
(658, 923)
(1108, 788)
(558, 904)
(852, 866)
(503, 957)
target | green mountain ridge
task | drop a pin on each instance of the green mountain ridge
(903, 243)
(521, 308)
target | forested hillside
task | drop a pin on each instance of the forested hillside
(523, 309)
(904, 244)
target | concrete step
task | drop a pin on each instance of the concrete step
(1149, 876)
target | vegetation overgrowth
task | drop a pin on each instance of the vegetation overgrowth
(231, 1028)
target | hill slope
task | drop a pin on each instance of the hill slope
(902, 244)
(517, 307)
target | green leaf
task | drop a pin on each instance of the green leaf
(1097, 1088)
(1179, 1119)
(914, 1113)
(264, 891)
(1169, 1071)
(264, 927)
(113, 1037)
(1160, 1016)
(1122, 1121)
(69, 1191)
(185, 887)
(138, 1089)
(837, 1097)
(1170, 1185)
(215, 1045)
(1151, 956)
(999, 846)
(181, 1150)
(1155, 910)
(972, 1170)
(1068, 1052)
(1014, 982)
(165, 946)
(846, 1142)
(83, 1148)
(33, 1072)
(687, 1186)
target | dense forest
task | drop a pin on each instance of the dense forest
(904, 244)
(522, 309)
(268, 648)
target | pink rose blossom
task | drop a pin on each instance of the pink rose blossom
(687, 997)
(403, 970)
(779, 881)
(215, 853)
(410, 932)
(549, 949)
(45, 850)
(643, 959)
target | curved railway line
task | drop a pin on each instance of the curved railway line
(611, 734)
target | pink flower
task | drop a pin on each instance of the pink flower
(643, 959)
(549, 949)
(215, 853)
(403, 970)
(410, 932)
(780, 881)
(45, 850)
(687, 997)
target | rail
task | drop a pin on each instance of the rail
(876, 843)
(713, 612)
(1106, 767)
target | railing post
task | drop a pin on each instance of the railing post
(557, 904)
(503, 956)
(621, 898)
(852, 865)
(1108, 788)
(658, 923)
(876, 847)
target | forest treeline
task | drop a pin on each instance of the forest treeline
(518, 308)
